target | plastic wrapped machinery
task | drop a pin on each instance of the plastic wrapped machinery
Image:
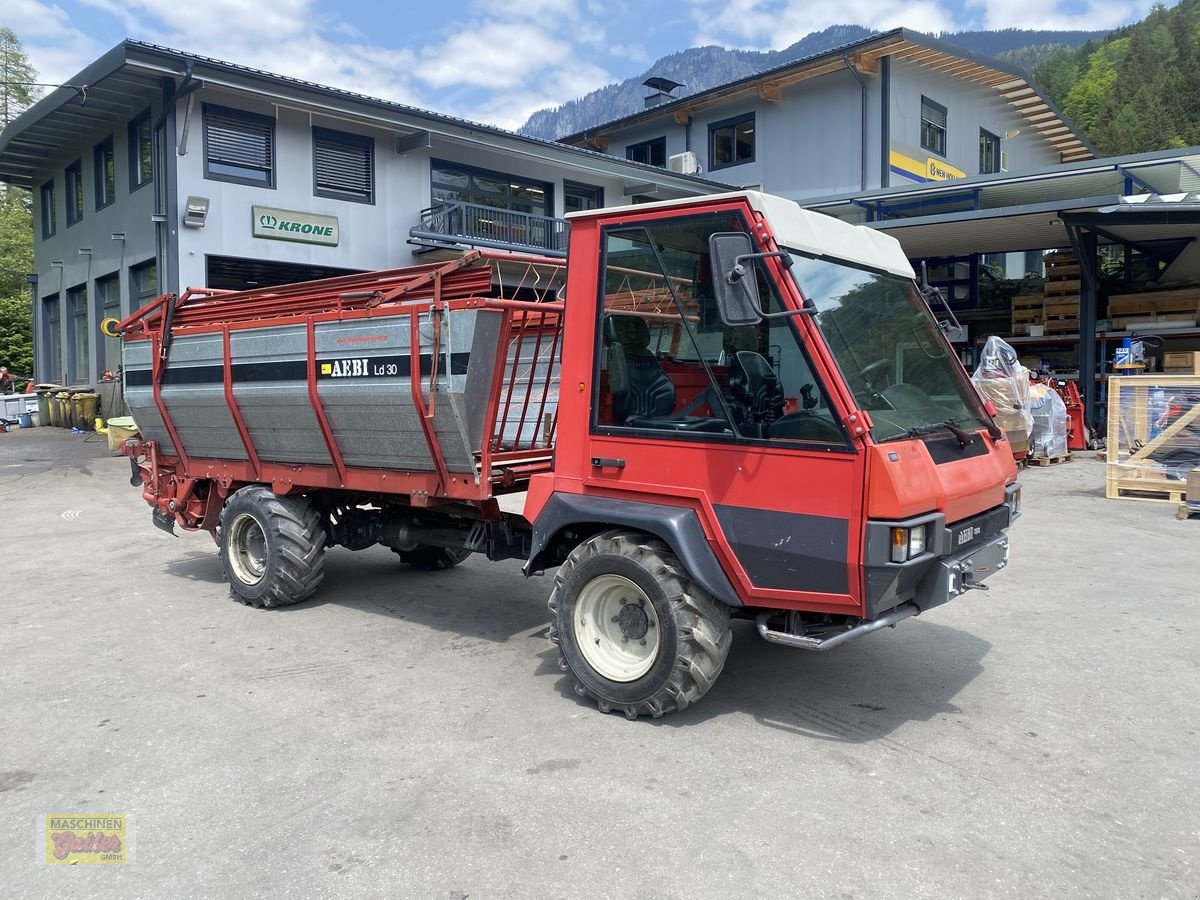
(1049, 434)
(1001, 379)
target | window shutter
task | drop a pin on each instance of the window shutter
(237, 142)
(343, 164)
(933, 115)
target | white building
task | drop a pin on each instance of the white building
(158, 170)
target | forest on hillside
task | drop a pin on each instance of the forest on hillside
(1137, 89)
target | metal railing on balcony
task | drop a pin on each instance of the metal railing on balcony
(459, 222)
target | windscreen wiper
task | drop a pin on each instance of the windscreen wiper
(965, 438)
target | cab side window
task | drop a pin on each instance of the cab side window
(667, 363)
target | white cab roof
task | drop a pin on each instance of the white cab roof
(800, 229)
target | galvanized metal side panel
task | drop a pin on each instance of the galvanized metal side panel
(193, 393)
(363, 369)
(270, 386)
(136, 367)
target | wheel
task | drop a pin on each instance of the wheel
(272, 547)
(432, 559)
(633, 628)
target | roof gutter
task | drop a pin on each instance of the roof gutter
(683, 184)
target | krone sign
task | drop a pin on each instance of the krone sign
(290, 225)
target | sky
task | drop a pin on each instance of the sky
(492, 61)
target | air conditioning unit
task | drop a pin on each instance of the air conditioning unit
(684, 163)
(1003, 160)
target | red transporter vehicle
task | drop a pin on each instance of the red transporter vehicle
(725, 407)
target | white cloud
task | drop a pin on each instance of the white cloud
(496, 54)
(55, 47)
(1092, 15)
(775, 24)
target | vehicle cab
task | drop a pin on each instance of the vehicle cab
(778, 374)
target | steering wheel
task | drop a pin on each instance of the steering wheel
(868, 372)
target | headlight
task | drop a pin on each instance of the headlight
(916, 541)
(907, 543)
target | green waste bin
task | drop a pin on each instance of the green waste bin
(44, 406)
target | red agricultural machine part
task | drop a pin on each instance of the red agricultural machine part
(723, 408)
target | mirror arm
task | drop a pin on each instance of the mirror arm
(738, 272)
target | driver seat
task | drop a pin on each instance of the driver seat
(639, 386)
(758, 398)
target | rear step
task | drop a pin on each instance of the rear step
(812, 642)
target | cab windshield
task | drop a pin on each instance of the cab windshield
(890, 350)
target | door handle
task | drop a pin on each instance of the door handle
(606, 462)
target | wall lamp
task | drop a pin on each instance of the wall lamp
(195, 212)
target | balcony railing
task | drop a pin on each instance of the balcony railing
(458, 222)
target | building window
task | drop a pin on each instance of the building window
(989, 152)
(141, 152)
(933, 126)
(74, 192)
(1033, 263)
(51, 368)
(106, 173)
(77, 309)
(731, 142)
(454, 182)
(343, 166)
(108, 305)
(652, 152)
(239, 146)
(579, 197)
(143, 283)
(47, 209)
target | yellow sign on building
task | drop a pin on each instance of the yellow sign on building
(930, 170)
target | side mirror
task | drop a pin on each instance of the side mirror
(735, 285)
(736, 289)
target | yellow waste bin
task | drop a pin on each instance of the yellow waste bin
(62, 403)
(87, 404)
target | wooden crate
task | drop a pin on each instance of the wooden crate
(1131, 473)
(1176, 300)
(1182, 362)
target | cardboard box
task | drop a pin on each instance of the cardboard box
(1182, 362)
(1193, 486)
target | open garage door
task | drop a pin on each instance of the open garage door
(233, 274)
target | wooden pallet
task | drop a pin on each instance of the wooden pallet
(1049, 460)
(1187, 510)
(1055, 287)
(1147, 321)
(1062, 326)
(1140, 489)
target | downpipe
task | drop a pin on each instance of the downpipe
(819, 644)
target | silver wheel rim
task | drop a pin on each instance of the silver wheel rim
(616, 628)
(247, 549)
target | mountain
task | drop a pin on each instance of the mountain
(1135, 90)
(701, 68)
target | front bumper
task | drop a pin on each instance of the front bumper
(959, 557)
(954, 575)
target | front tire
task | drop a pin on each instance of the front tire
(272, 548)
(635, 631)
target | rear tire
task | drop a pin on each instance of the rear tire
(432, 559)
(272, 548)
(635, 631)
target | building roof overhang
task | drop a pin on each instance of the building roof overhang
(1031, 211)
(128, 78)
(1012, 84)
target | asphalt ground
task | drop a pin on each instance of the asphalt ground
(409, 734)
